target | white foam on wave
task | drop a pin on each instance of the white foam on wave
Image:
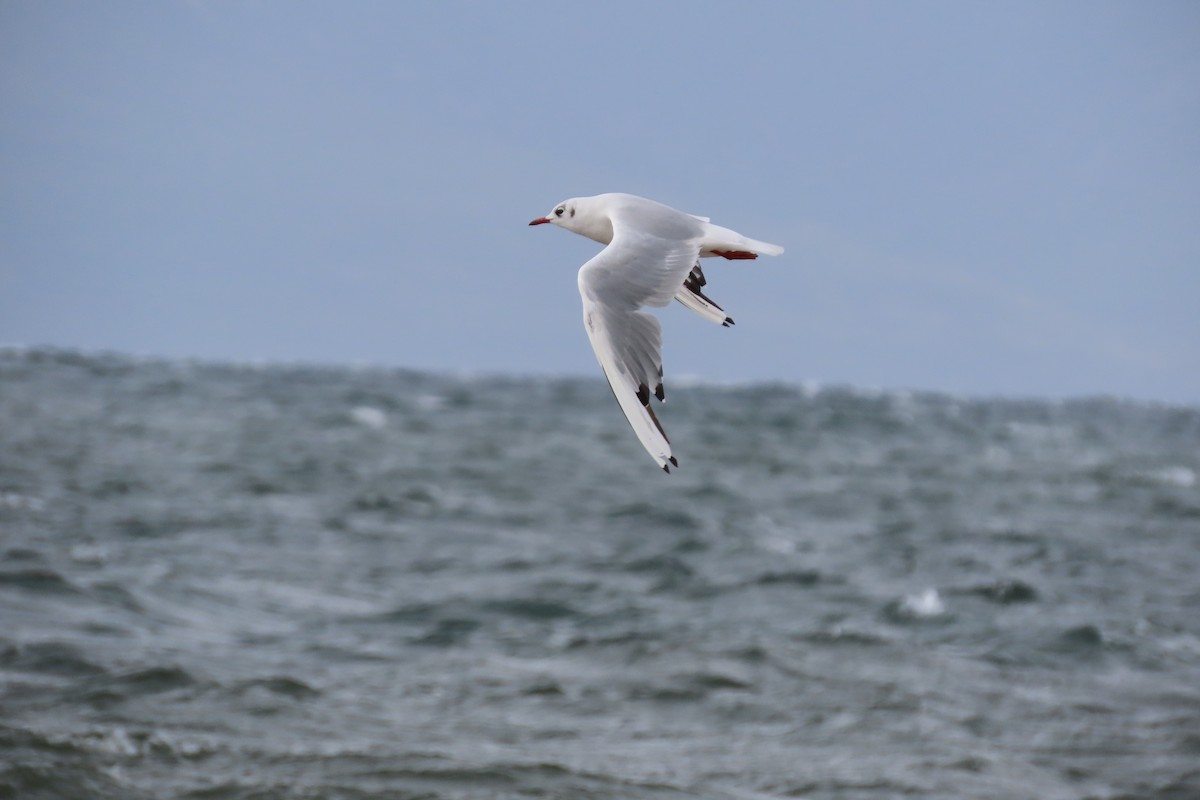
(119, 741)
(369, 417)
(20, 502)
(925, 604)
(89, 554)
(430, 402)
(1176, 476)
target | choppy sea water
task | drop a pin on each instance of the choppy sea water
(224, 581)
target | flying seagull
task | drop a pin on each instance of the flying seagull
(653, 255)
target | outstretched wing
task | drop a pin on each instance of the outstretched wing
(636, 269)
(628, 345)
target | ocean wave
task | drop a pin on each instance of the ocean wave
(303, 580)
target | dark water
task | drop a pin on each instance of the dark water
(220, 581)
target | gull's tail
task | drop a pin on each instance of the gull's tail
(729, 244)
(765, 248)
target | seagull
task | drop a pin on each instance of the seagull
(652, 256)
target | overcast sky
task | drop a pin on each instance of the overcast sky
(979, 198)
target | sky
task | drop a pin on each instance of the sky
(978, 198)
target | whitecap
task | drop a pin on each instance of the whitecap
(89, 553)
(20, 502)
(430, 402)
(925, 604)
(369, 417)
(1176, 476)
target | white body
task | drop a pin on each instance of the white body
(651, 251)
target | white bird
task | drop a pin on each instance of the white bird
(652, 256)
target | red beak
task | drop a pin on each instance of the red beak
(540, 221)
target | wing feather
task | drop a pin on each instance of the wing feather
(692, 295)
(636, 269)
(652, 250)
(626, 360)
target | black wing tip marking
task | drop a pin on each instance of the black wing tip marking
(654, 419)
(674, 463)
(694, 283)
(666, 469)
(643, 394)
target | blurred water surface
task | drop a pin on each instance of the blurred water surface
(297, 582)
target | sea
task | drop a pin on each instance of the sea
(259, 581)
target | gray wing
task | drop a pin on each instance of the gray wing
(628, 345)
(636, 269)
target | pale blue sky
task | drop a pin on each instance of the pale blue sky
(980, 198)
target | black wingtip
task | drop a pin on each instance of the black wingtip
(660, 393)
(673, 461)
(643, 394)
(666, 469)
(728, 322)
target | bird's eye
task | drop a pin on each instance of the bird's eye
(558, 212)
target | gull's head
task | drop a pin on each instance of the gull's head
(563, 214)
(581, 216)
